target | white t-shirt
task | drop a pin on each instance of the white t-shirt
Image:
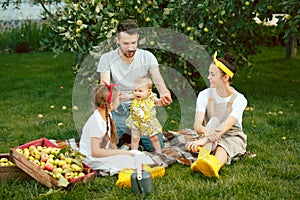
(238, 105)
(124, 74)
(94, 127)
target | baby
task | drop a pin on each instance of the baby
(142, 119)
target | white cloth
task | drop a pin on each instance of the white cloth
(238, 105)
(96, 127)
(124, 74)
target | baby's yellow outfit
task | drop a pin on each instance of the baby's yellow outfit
(143, 116)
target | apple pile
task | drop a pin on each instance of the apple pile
(58, 163)
(5, 162)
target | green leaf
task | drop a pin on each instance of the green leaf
(63, 182)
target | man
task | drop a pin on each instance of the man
(125, 64)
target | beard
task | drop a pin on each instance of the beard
(128, 53)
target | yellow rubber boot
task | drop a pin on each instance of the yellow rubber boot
(124, 178)
(208, 166)
(203, 152)
(156, 172)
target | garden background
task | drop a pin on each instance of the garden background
(40, 82)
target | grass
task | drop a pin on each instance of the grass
(31, 83)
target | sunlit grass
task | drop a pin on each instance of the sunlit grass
(31, 83)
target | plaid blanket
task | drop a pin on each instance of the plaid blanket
(173, 151)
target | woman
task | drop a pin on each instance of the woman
(220, 108)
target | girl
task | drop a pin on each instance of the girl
(142, 119)
(99, 136)
(221, 107)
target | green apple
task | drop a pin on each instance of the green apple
(152, 43)
(39, 148)
(76, 167)
(79, 22)
(287, 16)
(69, 176)
(247, 3)
(4, 164)
(20, 151)
(31, 158)
(42, 164)
(58, 170)
(50, 160)
(56, 162)
(148, 19)
(205, 30)
(81, 174)
(31, 147)
(47, 150)
(66, 166)
(40, 116)
(37, 162)
(69, 160)
(55, 151)
(4, 160)
(140, 11)
(62, 156)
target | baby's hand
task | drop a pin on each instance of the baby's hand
(158, 102)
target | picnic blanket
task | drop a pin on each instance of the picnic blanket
(173, 151)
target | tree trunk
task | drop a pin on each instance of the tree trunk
(291, 48)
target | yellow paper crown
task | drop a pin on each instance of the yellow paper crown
(222, 66)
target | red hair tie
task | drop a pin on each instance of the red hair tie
(109, 86)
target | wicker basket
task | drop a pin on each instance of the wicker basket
(11, 172)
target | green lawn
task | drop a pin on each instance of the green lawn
(31, 83)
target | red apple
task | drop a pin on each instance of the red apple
(48, 166)
(44, 157)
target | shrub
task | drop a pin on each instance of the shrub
(24, 39)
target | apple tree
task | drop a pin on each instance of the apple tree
(79, 26)
(289, 22)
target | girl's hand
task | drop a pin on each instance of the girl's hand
(128, 153)
(124, 97)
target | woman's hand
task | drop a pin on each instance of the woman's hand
(215, 136)
(193, 146)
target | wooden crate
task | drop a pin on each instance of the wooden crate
(8, 173)
(39, 174)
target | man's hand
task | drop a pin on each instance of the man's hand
(166, 100)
